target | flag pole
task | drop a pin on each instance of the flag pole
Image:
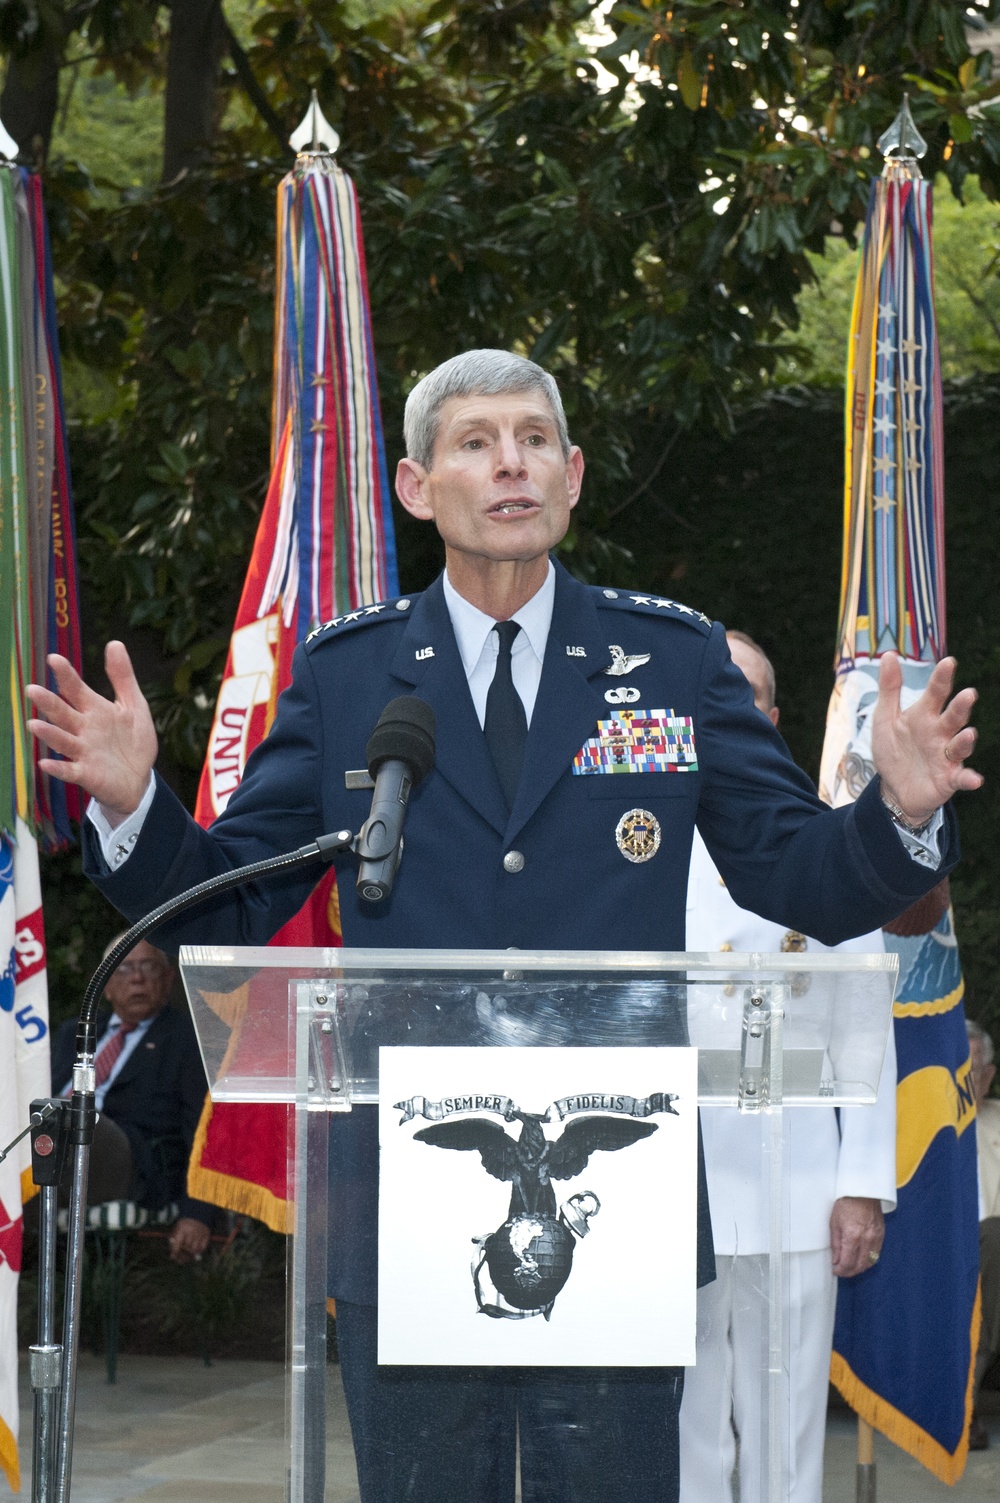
(867, 1483)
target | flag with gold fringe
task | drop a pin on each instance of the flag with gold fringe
(38, 615)
(324, 547)
(907, 1329)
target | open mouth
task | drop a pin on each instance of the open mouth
(512, 508)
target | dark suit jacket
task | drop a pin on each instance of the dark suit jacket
(830, 873)
(156, 1099)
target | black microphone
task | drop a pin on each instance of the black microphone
(400, 752)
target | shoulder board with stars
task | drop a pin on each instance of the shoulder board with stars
(365, 615)
(654, 605)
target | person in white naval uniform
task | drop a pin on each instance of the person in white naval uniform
(988, 1146)
(842, 1168)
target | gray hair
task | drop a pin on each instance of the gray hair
(772, 683)
(476, 373)
(978, 1033)
(112, 942)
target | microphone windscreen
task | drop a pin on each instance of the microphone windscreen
(404, 733)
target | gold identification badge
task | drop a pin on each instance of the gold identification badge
(638, 835)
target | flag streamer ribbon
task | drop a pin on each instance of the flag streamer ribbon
(325, 375)
(39, 614)
(907, 1329)
(38, 581)
(892, 587)
(324, 546)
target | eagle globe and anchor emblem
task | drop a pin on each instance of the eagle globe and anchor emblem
(519, 1269)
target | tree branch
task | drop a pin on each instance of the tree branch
(658, 466)
(252, 89)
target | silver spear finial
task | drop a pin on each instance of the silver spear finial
(902, 142)
(315, 133)
(8, 146)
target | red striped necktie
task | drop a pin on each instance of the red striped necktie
(107, 1056)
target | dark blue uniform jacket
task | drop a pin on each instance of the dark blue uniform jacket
(829, 873)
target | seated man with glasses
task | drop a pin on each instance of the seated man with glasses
(150, 1090)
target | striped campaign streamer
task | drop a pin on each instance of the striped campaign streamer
(892, 596)
(38, 615)
(37, 540)
(324, 546)
(342, 548)
(906, 1331)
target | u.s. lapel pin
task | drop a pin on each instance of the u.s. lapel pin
(423, 653)
(622, 662)
(576, 652)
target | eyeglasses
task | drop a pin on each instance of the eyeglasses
(140, 968)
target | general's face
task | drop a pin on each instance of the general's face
(141, 985)
(499, 487)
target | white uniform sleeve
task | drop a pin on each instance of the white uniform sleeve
(117, 841)
(867, 1162)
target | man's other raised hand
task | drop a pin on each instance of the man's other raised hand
(919, 753)
(106, 746)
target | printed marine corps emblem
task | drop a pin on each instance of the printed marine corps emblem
(518, 1270)
(638, 835)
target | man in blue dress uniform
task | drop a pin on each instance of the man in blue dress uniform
(581, 734)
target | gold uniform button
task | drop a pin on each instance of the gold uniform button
(513, 862)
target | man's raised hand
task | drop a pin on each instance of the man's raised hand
(107, 747)
(919, 752)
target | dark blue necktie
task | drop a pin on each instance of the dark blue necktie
(506, 724)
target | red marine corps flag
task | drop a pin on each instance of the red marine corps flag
(324, 546)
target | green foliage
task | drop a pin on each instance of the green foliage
(967, 295)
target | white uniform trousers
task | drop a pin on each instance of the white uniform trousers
(723, 1393)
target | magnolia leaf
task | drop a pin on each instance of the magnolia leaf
(689, 82)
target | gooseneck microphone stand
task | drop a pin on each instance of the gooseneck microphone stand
(400, 753)
(82, 1116)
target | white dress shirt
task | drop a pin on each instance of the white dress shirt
(479, 645)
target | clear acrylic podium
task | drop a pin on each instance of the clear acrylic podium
(303, 1027)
